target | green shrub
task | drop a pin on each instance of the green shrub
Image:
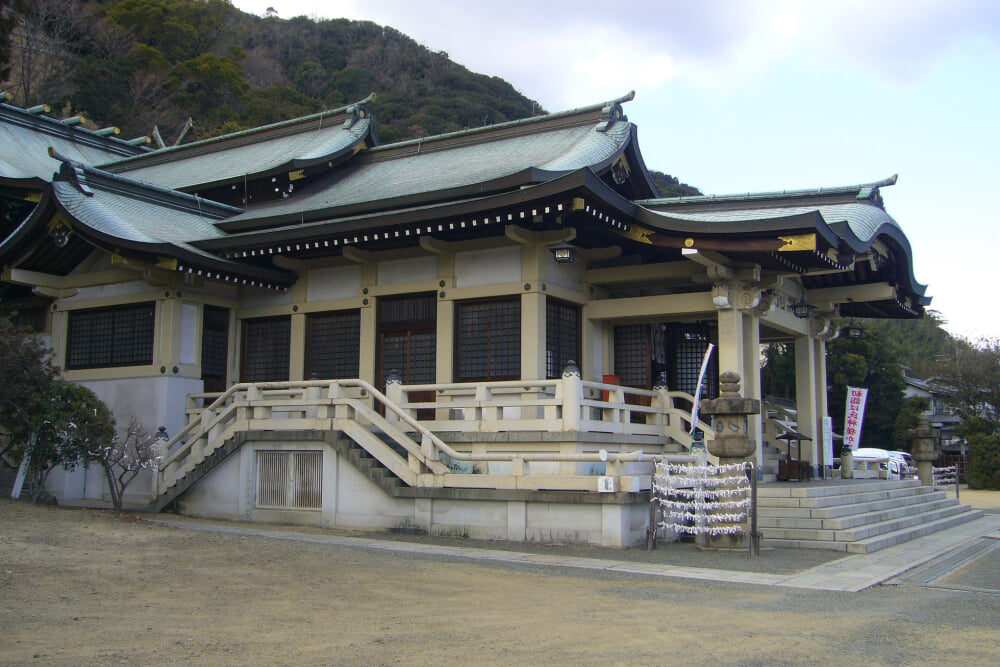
(984, 462)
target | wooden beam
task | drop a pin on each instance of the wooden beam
(669, 305)
(436, 246)
(523, 236)
(847, 293)
(72, 281)
(639, 273)
(358, 255)
(707, 258)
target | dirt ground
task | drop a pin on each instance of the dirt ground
(82, 587)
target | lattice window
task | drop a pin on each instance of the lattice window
(106, 337)
(632, 355)
(488, 340)
(333, 344)
(688, 344)
(421, 308)
(289, 480)
(562, 336)
(266, 350)
(214, 347)
(413, 355)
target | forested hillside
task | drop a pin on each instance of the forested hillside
(137, 64)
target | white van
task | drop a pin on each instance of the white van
(874, 463)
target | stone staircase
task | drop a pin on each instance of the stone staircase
(770, 455)
(858, 516)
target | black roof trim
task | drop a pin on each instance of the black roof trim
(84, 177)
(241, 138)
(75, 133)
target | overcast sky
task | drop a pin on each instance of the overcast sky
(741, 95)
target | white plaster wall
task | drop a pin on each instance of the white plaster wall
(217, 495)
(564, 275)
(258, 297)
(564, 522)
(155, 401)
(488, 267)
(339, 282)
(483, 520)
(360, 503)
(352, 500)
(189, 326)
(407, 270)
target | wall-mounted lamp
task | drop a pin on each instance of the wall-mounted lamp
(803, 310)
(564, 253)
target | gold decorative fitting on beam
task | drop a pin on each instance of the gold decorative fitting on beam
(797, 242)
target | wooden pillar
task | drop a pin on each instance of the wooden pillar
(532, 336)
(532, 313)
(806, 399)
(369, 331)
(297, 344)
(445, 339)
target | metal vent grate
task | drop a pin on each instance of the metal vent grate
(289, 480)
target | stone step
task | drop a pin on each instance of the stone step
(901, 498)
(893, 538)
(861, 495)
(852, 520)
(883, 541)
(814, 490)
(862, 532)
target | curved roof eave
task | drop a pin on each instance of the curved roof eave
(636, 160)
(566, 183)
(29, 227)
(182, 252)
(302, 143)
(76, 193)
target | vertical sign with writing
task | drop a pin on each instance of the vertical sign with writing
(828, 441)
(854, 416)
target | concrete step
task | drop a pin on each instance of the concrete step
(892, 538)
(864, 531)
(855, 518)
(879, 542)
(865, 505)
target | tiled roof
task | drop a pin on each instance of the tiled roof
(116, 212)
(864, 220)
(296, 144)
(26, 137)
(461, 164)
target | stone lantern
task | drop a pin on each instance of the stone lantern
(923, 445)
(732, 443)
(729, 414)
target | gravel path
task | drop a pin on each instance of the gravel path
(82, 587)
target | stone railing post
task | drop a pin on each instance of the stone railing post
(661, 401)
(394, 392)
(572, 397)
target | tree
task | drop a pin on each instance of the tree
(870, 362)
(777, 375)
(10, 18)
(124, 457)
(70, 421)
(26, 374)
(907, 419)
(971, 376)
